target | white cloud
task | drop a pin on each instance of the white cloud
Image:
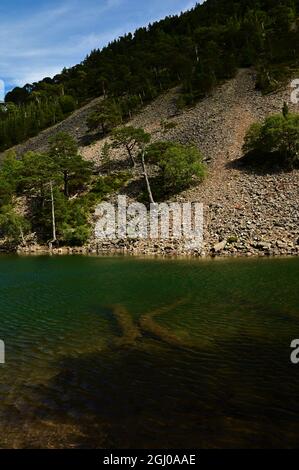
(41, 44)
(26, 75)
(190, 5)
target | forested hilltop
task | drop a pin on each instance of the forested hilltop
(196, 50)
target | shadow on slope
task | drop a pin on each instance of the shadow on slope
(260, 164)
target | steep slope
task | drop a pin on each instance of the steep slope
(75, 125)
(256, 211)
(249, 212)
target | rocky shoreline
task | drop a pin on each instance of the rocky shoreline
(224, 249)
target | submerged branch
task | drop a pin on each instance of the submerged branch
(130, 331)
(149, 326)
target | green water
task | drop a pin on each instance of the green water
(68, 382)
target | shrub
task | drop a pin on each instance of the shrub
(270, 77)
(185, 100)
(167, 126)
(76, 236)
(67, 104)
(181, 166)
(156, 151)
(278, 135)
(105, 185)
(105, 117)
(12, 225)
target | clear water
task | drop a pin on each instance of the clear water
(68, 382)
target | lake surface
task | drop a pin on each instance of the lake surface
(225, 381)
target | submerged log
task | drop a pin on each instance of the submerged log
(149, 326)
(130, 332)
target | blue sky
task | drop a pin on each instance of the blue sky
(40, 37)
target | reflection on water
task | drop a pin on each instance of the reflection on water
(122, 352)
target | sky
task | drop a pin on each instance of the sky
(38, 38)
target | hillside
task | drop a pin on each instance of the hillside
(195, 50)
(256, 212)
(75, 125)
(247, 212)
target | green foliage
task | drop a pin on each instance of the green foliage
(64, 153)
(232, 239)
(38, 111)
(129, 104)
(270, 77)
(73, 220)
(13, 226)
(131, 138)
(6, 191)
(63, 146)
(10, 168)
(285, 110)
(73, 215)
(36, 177)
(67, 104)
(105, 185)
(277, 136)
(36, 172)
(105, 154)
(185, 100)
(167, 125)
(181, 166)
(106, 117)
(76, 236)
(156, 151)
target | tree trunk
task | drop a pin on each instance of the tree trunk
(131, 155)
(22, 237)
(53, 216)
(148, 186)
(42, 196)
(66, 183)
